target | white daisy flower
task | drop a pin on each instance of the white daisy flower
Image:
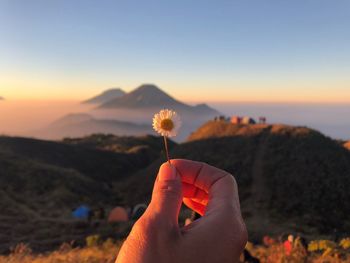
(166, 123)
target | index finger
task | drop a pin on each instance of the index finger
(219, 184)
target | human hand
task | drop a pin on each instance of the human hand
(219, 236)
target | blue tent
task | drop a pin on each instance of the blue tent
(81, 212)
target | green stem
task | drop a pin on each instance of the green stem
(166, 149)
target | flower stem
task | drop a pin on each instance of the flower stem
(166, 149)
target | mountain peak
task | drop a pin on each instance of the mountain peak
(149, 96)
(149, 88)
(144, 96)
(106, 96)
(113, 91)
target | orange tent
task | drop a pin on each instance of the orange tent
(347, 145)
(236, 120)
(118, 214)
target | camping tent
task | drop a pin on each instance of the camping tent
(82, 212)
(248, 120)
(118, 214)
(236, 120)
(347, 145)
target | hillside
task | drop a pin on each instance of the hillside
(36, 200)
(42, 181)
(105, 96)
(290, 178)
(96, 164)
(122, 144)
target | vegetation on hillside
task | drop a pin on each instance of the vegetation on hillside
(42, 181)
(291, 179)
(121, 144)
(107, 251)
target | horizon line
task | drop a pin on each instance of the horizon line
(9, 99)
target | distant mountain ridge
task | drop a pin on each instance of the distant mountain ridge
(151, 96)
(106, 96)
(129, 114)
(83, 124)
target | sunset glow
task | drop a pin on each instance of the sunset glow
(293, 51)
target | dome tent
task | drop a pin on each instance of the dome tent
(118, 214)
(81, 212)
(248, 120)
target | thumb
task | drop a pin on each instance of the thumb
(167, 195)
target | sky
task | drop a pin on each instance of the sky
(248, 50)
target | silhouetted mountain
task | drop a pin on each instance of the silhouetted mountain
(283, 172)
(106, 96)
(127, 116)
(73, 118)
(204, 109)
(81, 124)
(150, 96)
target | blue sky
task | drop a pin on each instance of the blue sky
(207, 50)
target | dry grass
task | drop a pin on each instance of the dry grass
(276, 253)
(107, 252)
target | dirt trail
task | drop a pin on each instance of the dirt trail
(257, 188)
(257, 216)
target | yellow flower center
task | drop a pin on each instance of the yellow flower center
(167, 124)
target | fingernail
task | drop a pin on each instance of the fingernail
(167, 172)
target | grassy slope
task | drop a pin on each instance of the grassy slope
(290, 178)
(287, 176)
(41, 181)
(96, 164)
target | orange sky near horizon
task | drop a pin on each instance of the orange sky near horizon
(52, 86)
(189, 94)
